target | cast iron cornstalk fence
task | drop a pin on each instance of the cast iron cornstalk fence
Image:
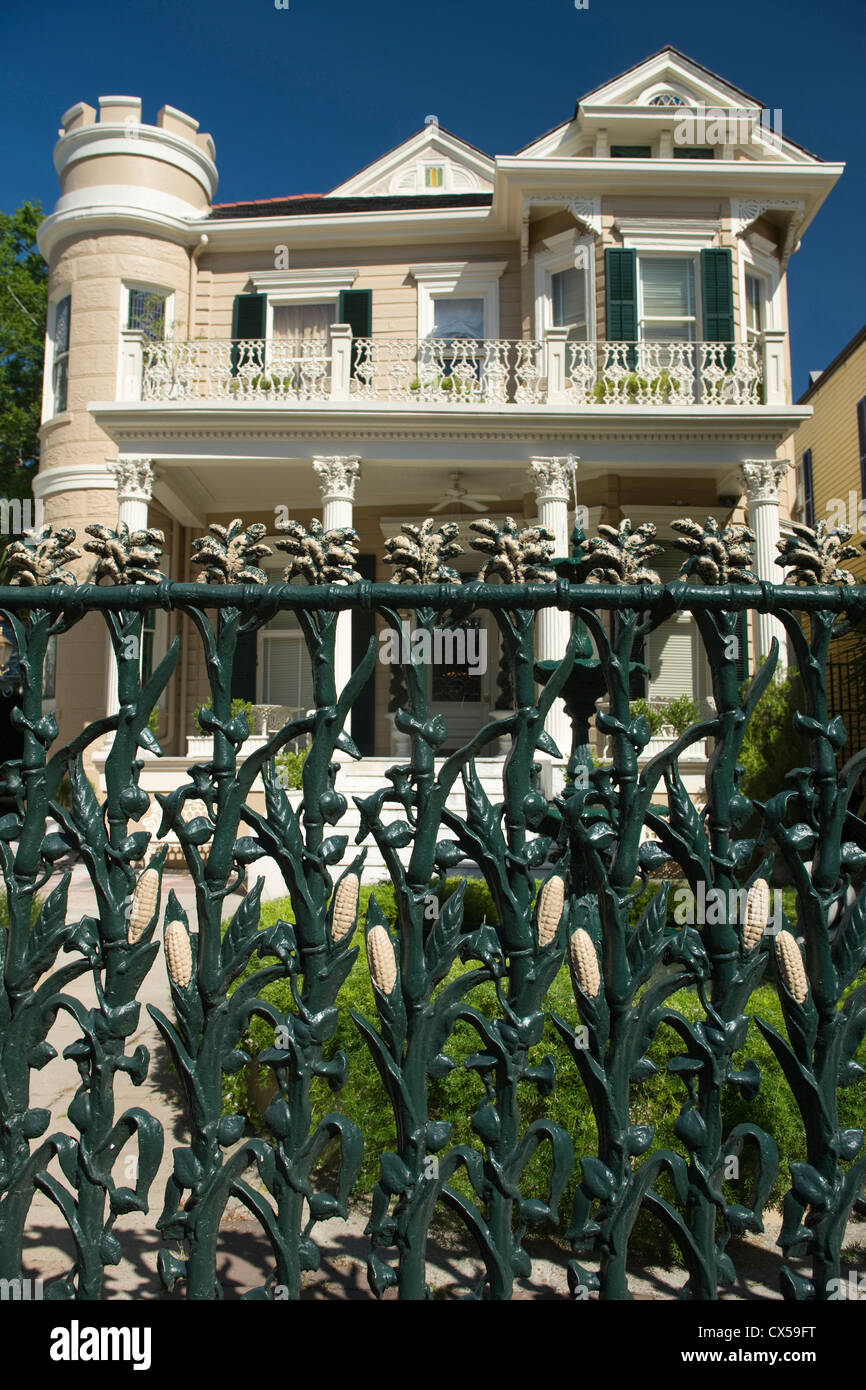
(563, 871)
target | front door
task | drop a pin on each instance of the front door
(459, 681)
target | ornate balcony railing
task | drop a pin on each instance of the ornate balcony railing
(588, 852)
(677, 374)
(459, 373)
(243, 370)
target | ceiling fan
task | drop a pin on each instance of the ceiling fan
(458, 495)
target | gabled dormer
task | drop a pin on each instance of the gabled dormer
(669, 107)
(430, 162)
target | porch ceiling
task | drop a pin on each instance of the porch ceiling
(194, 490)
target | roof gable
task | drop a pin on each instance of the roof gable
(636, 98)
(460, 168)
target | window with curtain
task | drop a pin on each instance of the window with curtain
(304, 321)
(458, 318)
(60, 361)
(668, 299)
(568, 296)
(286, 671)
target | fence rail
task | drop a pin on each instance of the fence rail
(584, 850)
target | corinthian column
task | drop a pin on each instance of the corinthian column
(338, 474)
(134, 482)
(133, 478)
(762, 479)
(552, 479)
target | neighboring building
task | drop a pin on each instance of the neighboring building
(437, 334)
(830, 455)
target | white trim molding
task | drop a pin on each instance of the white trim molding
(745, 211)
(663, 234)
(586, 209)
(303, 286)
(73, 477)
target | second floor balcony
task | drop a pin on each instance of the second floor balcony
(456, 374)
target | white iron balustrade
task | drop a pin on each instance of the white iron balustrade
(452, 373)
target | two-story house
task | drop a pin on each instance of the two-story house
(830, 457)
(599, 320)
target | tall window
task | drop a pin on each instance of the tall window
(861, 440)
(285, 672)
(434, 176)
(146, 314)
(568, 295)
(805, 494)
(60, 363)
(668, 299)
(754, 306)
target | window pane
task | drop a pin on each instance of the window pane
(61, 328)
(288, 677)
(753, 304)
(304, 320)
(668, 332)
(668, 287)
(568, 289)
(458, 318)
(60, 383)
(147, 314)
(434, 177)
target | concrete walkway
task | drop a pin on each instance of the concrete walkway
(244, 1257)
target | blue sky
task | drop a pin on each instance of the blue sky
(299, 99)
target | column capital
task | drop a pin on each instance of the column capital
(338, 474)
(762, 479)
(133, 478)
(552, 478)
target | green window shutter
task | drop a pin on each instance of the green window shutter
(717, 292)
(356, 309)
(248, 321)
(620, 279)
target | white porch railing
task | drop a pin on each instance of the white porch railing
(663, 373)
(458, 373)
(246, 369)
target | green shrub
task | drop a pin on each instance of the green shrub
(680, 713)
(651, 713)
(291, 766)
(772, 746)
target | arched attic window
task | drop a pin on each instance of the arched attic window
(667, 99)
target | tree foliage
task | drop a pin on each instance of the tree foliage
(23, 293)
(772, 747)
